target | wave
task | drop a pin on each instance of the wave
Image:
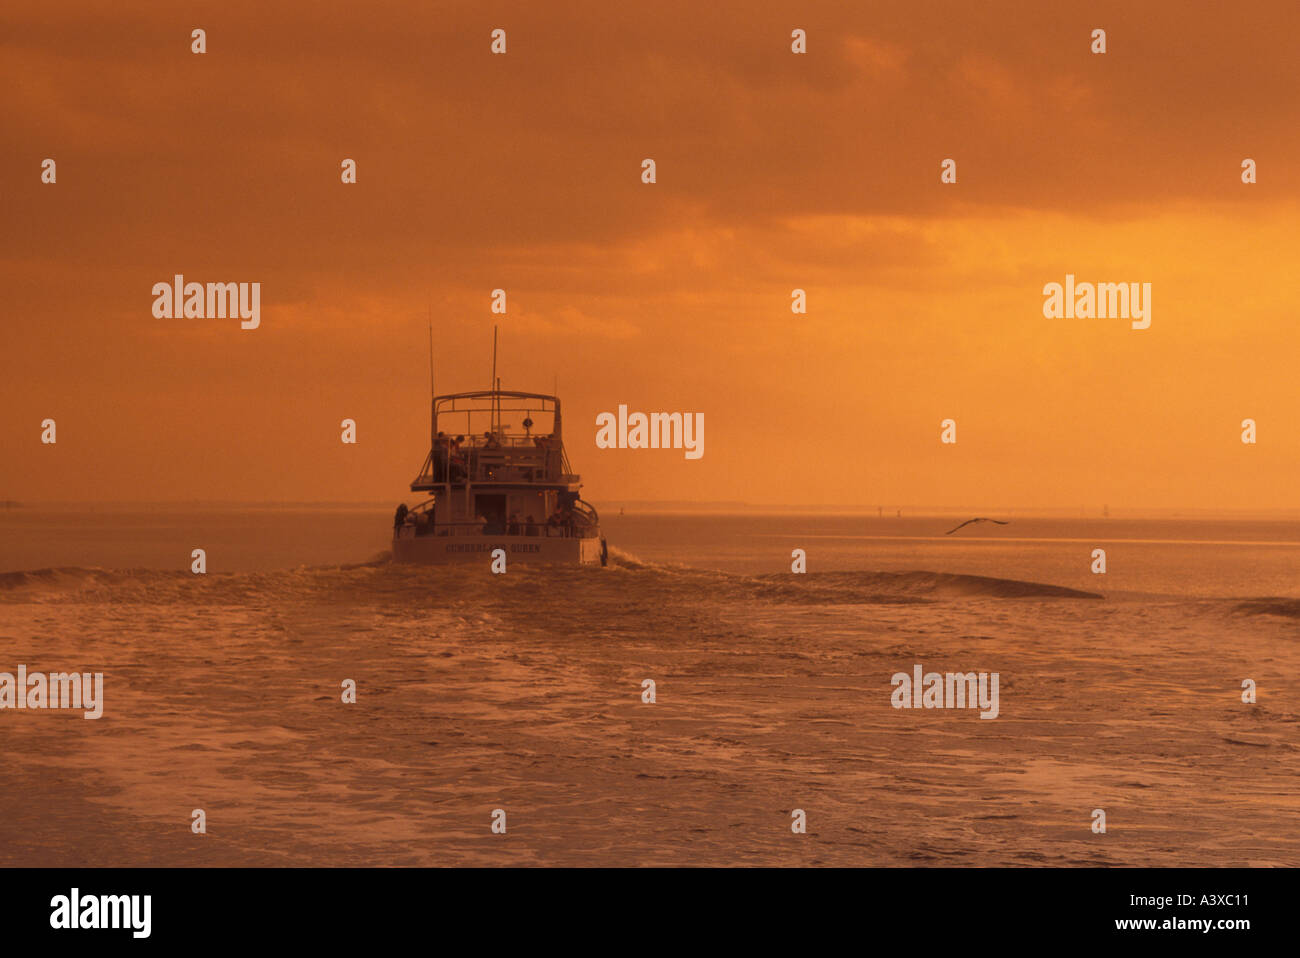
(621, 558)
(832, 587)
(912, 586)
(1270, 606)
(71, 577)
(381, 574)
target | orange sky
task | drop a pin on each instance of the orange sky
(775, 171)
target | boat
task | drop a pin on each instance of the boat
(497, 484)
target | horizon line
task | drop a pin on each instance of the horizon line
(722, 507)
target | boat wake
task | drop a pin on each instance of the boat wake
(1270, 606)
(847, 587)
(913, 586)
(72, 579)
(383, 575)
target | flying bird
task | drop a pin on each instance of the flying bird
(1001, 522)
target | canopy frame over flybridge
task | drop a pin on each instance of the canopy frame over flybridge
(503, 454)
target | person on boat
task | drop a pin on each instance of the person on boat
(512, 528)
(441, 448)
(458, 470)
(531, 528)
(400, 517)
(543, 444)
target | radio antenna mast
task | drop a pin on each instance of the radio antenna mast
(433, 420)
(433, 415)
(496, 399)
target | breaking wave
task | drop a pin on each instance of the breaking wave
(918, 586)
(849, 587)
(72, 579)
(380, 574)
(1270, 606)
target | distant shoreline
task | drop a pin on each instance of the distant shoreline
(610, 509)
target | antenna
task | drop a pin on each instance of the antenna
(496, 385)
(433, 415)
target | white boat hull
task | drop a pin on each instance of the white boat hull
(445, 550)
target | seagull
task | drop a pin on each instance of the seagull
(1001, 522)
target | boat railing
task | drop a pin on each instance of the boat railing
(488, 463)
(587, 511)
(421, 524)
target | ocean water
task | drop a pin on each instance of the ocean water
(523, 692)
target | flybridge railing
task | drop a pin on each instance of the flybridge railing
(416, 527)
(511, 440)
(452, 463)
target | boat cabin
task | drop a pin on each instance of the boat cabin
(497, 467)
